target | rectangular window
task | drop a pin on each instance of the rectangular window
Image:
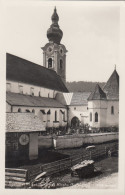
(55, 115)
(8, 86)
(21, 89)
(64, 116)
(31, 91)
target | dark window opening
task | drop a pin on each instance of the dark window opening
(55, 115)
(90, 116)
(75, 108)
(19, 110)
(96, 117)
(61, 64)
(112, 110)
(27, 110)
(33, 111)
(50, 63)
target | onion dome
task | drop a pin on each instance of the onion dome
(54, 33)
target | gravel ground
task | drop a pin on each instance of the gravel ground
(107, 182)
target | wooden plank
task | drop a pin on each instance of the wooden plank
(15, 170)
(23, 175)
(15, 178)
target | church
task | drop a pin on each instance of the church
(37, 99)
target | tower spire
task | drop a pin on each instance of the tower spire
(54, 33)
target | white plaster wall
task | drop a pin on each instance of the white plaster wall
(99, 106)
(113, 119)
(27, 89)
(46, 119)
(103, 108)
(79, 108)
(71, 113)
(8, 107)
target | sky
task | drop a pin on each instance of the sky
(90, 34)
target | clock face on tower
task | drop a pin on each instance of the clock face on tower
(50, 50)
(24, 139)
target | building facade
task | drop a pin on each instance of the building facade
(103, 104)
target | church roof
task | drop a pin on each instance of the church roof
(21, 70)
(23, 122)
(97, 94)
(16, 99)
(111, 88)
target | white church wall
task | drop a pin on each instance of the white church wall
(113, 119)
(78, 111)
(27, 89)
(99, 107)
(8, 107)
(47, 119)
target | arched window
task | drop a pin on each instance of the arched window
(39, 94)
(19, 110)
(55, 115)
(90, 116)
(50, 63)
(96, 117)
(33, 111)
(48, 95)
(112, 109)
(27, 110)
(61, 64)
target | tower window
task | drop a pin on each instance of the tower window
(96, 117)
(39, 94)
(50, 63)
(90, 116)
(112, 110)
(61, 64)
(74, 108)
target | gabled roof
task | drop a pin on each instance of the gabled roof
(111, 88)
(21, 70)
(16, 99)
(23, 122)
(76, 98)
(79, 99)
(97, 94)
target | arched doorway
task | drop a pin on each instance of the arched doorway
(75, 122)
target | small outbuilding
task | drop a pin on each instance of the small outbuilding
(22, 136)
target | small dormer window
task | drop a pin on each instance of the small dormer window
(31, 91)
(21, 89)
(8, 86)
(50, 63)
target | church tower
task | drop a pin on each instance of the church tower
(54, 53)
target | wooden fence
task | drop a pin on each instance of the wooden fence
(67, 163)
(23, 175)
